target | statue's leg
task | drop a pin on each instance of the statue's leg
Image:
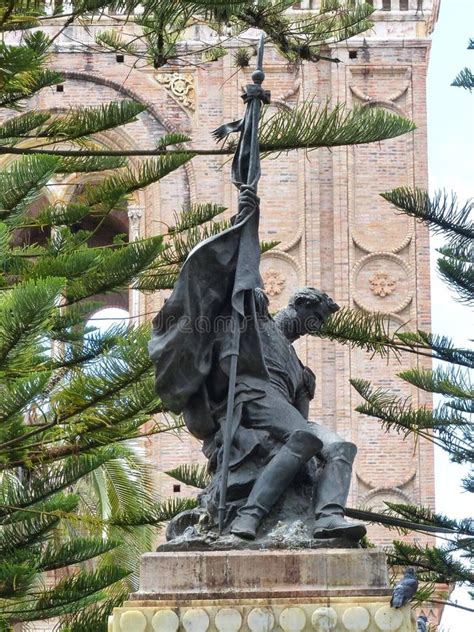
(274, 480)
(332, 491)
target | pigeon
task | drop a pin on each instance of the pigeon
(422, 623)
(405, 589)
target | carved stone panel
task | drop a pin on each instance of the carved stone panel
(180, 86)
(377, 168)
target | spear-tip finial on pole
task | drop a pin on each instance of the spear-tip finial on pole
(258, 75)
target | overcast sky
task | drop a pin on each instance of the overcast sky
(451, 166)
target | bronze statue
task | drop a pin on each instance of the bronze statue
(230, 367)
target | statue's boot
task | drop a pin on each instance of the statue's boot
(274, 480)
(331, 494)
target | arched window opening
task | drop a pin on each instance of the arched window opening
(108, 317)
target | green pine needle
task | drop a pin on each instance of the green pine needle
(442, 212)
(465, 79)
(311, 126)
(84, 121)
(13, 129)
(116, 186)
(21, 183)
(451, 381)
(459, 275)
(115, 41)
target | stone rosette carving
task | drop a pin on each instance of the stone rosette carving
(373, 292)
(287, 269)
(180, 85)
(274, 282)
(382, 284)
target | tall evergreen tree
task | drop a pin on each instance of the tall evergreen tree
(73, 397)
(449, 426)
(465, 79)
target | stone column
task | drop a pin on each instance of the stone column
(135, 213)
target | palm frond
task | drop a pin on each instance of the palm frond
(192, 475)
(162, 512)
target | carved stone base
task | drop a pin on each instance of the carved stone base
(263, 591)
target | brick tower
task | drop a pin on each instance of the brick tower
(334, 230)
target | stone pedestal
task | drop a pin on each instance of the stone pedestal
(342, 590)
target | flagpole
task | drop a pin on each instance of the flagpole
(245, 173)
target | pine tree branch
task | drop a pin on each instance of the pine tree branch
(465, 79)
(442, 213)
(459, 275)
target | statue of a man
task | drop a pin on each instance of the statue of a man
(272, 440)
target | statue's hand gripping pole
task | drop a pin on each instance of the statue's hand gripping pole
(245, 176)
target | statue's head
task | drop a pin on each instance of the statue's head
(310, 309)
